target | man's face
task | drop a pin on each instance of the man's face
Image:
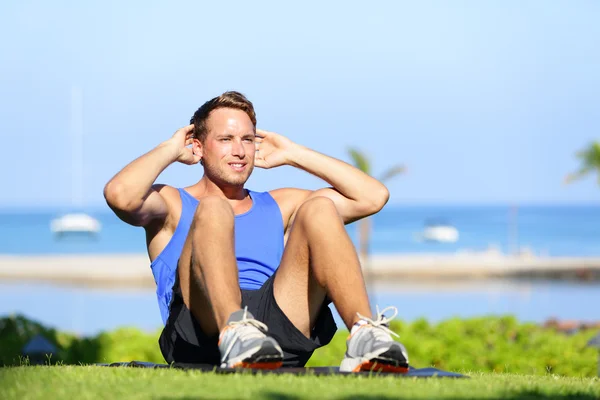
(228, 150)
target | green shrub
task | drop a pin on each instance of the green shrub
(487, 344)
(498, 344)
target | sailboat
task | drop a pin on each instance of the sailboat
(76, 222)
(439, 231)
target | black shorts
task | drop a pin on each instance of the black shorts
(182, 339)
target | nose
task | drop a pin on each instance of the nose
(237, 149)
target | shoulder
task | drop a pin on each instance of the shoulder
(169, 194)
(164, 190)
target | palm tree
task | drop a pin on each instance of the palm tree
(590, 162)
(361, 162)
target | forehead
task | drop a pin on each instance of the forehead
(229, 120)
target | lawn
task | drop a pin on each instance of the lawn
(90, 382)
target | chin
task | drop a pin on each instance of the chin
(238, 181)
(227, 177)
(234, 180)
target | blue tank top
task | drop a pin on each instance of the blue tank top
(258, 246)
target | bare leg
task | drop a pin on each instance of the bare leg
(207, 268)
(319, 260)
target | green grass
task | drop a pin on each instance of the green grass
(83, 382)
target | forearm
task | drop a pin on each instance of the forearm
(351, 182)
(128, 188)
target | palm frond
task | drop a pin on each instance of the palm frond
(577, 175)
(590, 161)
(392, 172)
(595, 154)
(360, 160)
(590, 156)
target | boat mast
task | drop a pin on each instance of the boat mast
(513, 230)
(76, 147)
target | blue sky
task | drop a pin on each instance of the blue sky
(485, 102)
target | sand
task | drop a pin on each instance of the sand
(134, 269)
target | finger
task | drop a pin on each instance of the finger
(260, 163)
(189, 141)
(186, 130)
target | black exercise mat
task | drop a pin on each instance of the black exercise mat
(316, 371)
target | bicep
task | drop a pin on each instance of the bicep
(349, 210)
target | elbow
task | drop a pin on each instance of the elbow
(377, 200)
(116, 197)
(383, 195)
(113, 194)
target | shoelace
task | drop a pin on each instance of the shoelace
(245, 322)
(250, 321)
(382, 321)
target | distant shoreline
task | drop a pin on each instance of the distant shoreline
(102, 208)
(108, 270)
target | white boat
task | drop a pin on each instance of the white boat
(75, 223)
(440, 232)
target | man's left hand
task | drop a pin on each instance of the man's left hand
(272, 149)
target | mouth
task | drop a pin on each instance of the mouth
(238, 167)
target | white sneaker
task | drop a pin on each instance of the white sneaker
(244, 344)
(372, 348)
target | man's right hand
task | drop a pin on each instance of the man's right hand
(131, 194)
(181, 139)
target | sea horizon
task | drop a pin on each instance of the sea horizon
(548, 230)
(99, 207)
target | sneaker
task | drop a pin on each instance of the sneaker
(244, 344)
(372, 348)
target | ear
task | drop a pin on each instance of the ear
(197, 148)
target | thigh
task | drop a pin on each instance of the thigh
(295, 288)
(191, 292)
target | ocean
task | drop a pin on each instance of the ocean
(545, 230)
(89, 311)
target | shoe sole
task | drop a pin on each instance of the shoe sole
(267, 357)
(390, 361)
(381, 365)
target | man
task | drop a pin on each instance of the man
(243, 278)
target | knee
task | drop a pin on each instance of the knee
(317, 209)
(213, 208)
